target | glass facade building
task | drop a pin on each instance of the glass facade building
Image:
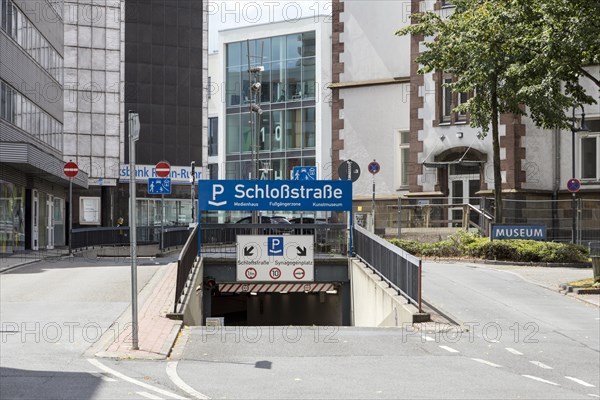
(286, 130)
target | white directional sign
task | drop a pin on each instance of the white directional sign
(275, 258)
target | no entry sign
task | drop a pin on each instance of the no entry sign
(163, 169)
(70, 169)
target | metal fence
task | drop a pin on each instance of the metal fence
(219, 239)
(557, 216)
(119, 236)
(397, 267)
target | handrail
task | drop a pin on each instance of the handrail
(185, 264)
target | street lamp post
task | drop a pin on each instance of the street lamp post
(575, 128)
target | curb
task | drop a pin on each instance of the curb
(20, 265)
(579, 290)
(518, 264)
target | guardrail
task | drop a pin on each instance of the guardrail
(401, 270)
(185, 264)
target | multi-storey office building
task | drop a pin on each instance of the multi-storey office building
(33, 188)
(293, 126)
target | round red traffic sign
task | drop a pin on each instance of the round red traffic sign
(163, 169)
(250, 273)
(374, 167)
(70, 169)
(573, 185)
(275, 273)
(299, 273)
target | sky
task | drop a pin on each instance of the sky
(229, 14)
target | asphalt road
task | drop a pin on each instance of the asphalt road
(517, 340)
(50, 314)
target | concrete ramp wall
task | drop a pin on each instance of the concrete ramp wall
(374, 303)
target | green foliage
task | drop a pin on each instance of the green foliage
(464, 244)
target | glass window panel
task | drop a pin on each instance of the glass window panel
(405, 137)
(308, 78)
(247, 141)
(294, 46)
(265, 81)
(277, 130)
(294, 78)
(265, 131)
(234, 86)
(589, 157)
(404, 157)
(308, 128)
(278, 169)
(277, 82)
(308, 44)
(446, 101)
(234, 52)
(247, 170)
(213, 136)
(232, 170)
(278, 48)
(263, 47)
(291, 163)
(233, 133)
(293, 129)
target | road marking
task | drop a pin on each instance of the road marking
(119, 375)
(584, 383)
(515, 352)
(450, 349)
(541, 365)
(174, 377)
(594, 395)
(149, 396)
(535, 378)
(491, 364)
(429, 339)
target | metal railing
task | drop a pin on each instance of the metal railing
(397, 267)
(119, 236)
(219, 239)
(185, 264)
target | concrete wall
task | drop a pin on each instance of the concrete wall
(373, 302)
(192, 311)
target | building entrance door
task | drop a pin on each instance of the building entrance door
(35, 210)
(464, 183)
(50, 222)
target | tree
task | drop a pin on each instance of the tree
(516, 56)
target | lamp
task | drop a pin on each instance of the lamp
(255, 87)
(255, 108)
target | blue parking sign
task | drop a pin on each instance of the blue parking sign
(275, 245)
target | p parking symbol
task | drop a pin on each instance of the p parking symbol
(275, 246)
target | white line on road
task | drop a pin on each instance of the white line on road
(450, 349)
(491, 364)
(594, 395)
(535, 378)
(172, 374)
(584, 383)
(515, 352)
(149, 396)
(119, 375)
(429, 339)
(541, 364)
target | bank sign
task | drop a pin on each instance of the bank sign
(275, 195)
(528, 232)
(178, 175)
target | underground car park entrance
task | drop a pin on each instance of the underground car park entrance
(257, 274)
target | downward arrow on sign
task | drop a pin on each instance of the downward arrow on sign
(248, 251)
(301, 251)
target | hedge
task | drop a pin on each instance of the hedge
(464, 244)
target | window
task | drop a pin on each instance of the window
(213, 136)
(404, 157)
(446, 101)
(590, 152)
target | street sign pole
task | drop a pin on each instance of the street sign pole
(162, 222)
(70, 215)
(134, 132)
(373, 205)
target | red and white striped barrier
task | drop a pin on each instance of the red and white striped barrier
(275, 287)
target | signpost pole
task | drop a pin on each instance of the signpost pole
(133, 136)
(373, 204)
(162, 222)
(70, 216)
